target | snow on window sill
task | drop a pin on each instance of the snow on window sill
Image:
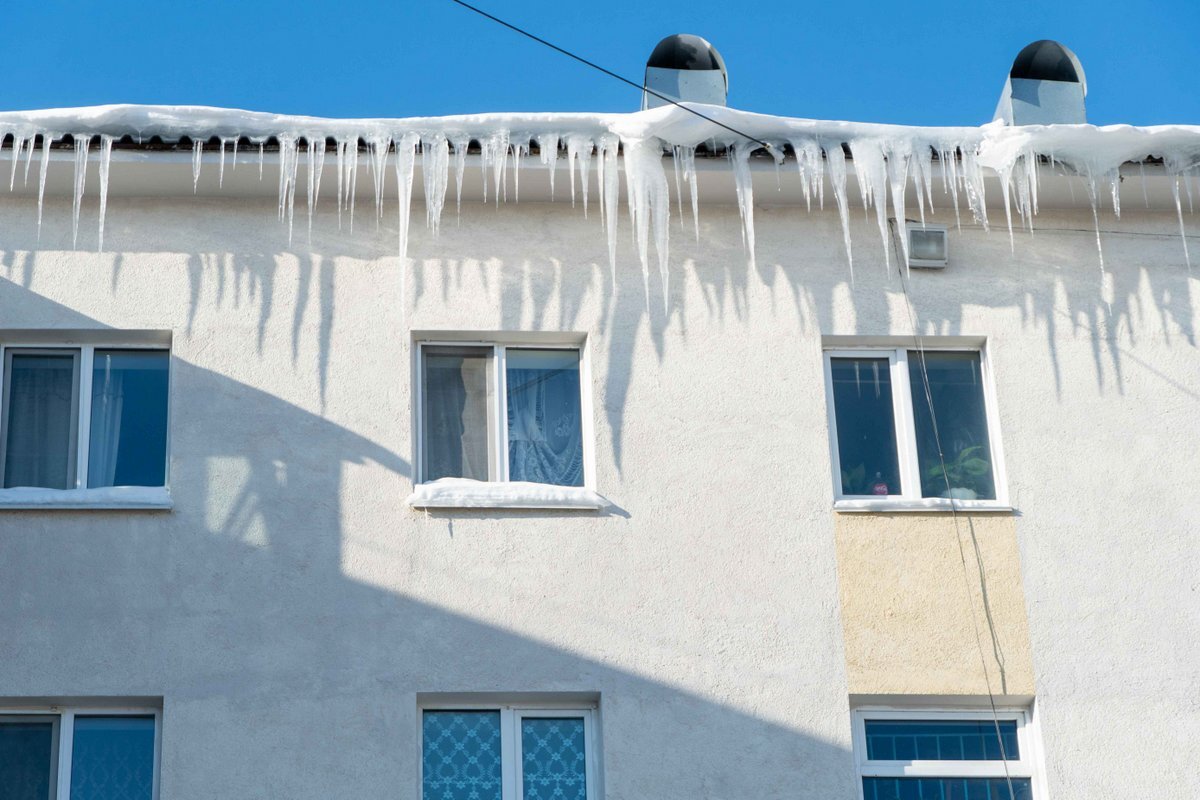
(112, 497)
(465, 493)
(890, 504)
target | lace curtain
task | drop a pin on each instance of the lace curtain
(545, 437)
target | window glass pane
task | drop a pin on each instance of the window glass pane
(26, 760)
(949, 740)
(866, 426)
(455, 407)
(461, 757)
(946, 789)
(128, 443)
(956, 388)
(112, 758)
(545, 433)
(41, 420)
(553, 759)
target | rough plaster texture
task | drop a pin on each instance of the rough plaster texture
(917, 621)
(290, 607)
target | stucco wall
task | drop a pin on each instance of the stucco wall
(290, 607)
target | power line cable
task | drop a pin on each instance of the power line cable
(914, 321)
(612, 74)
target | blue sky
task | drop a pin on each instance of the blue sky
(933, 62)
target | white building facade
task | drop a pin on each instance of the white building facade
(704, 556)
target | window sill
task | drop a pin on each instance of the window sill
(464, 493)
(130, 498)
(939, 504)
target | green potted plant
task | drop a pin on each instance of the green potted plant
(962, 473)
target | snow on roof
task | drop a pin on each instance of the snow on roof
(886, 160)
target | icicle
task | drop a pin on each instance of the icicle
(519, 151)
(316, 164)
(221, 167)
(197, 154)
(29, 158)
(871, 170)
(406, 147)
(811, 167)
(1094, 198)
(18, 143)
(1179, 213)
(47, 139)
(649, 198)
(378, 148)
(494, 158)
(687, 158)
(678, 182)
(351, 151)
(972, 181)
(106, 143)
(548, 153)
(435, 172)
(610, 182)
(341, 175)
(1114, 181)
(82, 142)
(288, 162)
(836, 157)
(262, 156)
(235, 149)
(740, 158)
(948, 158)
(461, 145)
(579, 150)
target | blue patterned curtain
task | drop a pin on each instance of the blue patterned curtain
(553, 758)
(461, 755)
(545, 434)
(112, 758)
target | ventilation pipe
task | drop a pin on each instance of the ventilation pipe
(685, 68)
(1045, 86)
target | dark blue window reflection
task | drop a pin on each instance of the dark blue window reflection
(946, 789)
(128, 444)
(935, 740)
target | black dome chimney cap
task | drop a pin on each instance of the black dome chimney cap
(685, 51)
(1047, 60)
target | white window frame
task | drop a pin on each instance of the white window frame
(910, 498)
(498, 402)
(63, 718)
(512, 776)
(1026, 767)
(79, 495)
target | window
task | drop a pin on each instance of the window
(83, 416)
(507, 754)
(79, 754)
(498, 412)
(885, 446)
(943, 755)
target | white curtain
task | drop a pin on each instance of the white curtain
(545, 437)
(456, 414)
(40, 433)
(108, 399)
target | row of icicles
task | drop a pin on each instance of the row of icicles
(883, 168)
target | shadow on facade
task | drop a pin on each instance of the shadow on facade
(285, 677)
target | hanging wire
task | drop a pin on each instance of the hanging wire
(962, 554)
(612, 74)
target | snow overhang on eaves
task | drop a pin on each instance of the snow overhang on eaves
(899, 171)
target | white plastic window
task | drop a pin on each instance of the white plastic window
(67, 753)
(889, 450)
(933, 753)
(508, 753)
(503, 412)
(83, 416)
